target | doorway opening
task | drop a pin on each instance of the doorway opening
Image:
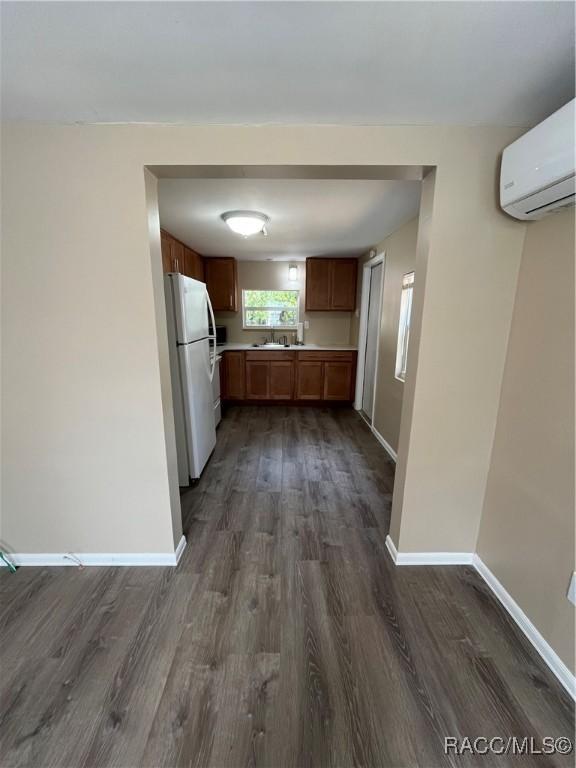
(342, 213)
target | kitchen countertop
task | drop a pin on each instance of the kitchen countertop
(291, 348)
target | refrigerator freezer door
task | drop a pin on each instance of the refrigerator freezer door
(198, 404)
(191, 308)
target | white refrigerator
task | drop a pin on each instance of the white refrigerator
(188, 311)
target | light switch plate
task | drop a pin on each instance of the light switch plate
(306, 325)
(572, 589)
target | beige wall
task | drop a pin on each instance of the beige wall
(527, 531)
(423, 242)
(400, 249)
(325, 327)
(84, 454)
(151, 188)
(84, 440)
(467, 260)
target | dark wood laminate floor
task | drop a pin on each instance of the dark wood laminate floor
(285, 637)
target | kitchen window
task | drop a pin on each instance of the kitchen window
(270, 309)
(404, 325)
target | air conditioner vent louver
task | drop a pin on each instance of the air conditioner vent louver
(557, 204)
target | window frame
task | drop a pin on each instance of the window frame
(404, 323)
(246, 327)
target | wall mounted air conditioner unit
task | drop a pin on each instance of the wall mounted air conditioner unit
(537, 173)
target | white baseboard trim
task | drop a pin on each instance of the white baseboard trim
(387, 447)
(180, 549)
(547, 653)
(391, 547)
(97, 558)
(427, 558)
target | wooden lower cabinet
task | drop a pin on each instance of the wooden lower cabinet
(286, 375)
(309, 380)
(338, 380)
(281, 380)
(232, 376)
(270, 378)
(257, 380)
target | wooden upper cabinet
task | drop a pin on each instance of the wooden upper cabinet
(331, 284)
(186, 265)
(166, 244)
(318, 283)
(344, 274)
(222, 283)
(195, 265)
(177, 257)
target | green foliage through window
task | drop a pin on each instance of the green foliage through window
(270, 309)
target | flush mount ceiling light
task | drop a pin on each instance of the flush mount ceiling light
(246, 223)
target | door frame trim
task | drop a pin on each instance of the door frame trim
(379, 258)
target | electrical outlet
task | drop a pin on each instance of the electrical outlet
(572, 589)
(306, 325)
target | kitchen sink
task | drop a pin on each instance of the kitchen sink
(271, 345)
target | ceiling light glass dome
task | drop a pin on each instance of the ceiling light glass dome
(246, 223)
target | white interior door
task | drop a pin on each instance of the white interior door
(372, 332)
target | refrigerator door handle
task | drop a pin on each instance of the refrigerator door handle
(212, 336)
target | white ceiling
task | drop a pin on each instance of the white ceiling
(287, 62)
(307, 217)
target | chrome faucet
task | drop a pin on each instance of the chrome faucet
(273, 340)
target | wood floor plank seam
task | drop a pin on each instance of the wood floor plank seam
(285, 637)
